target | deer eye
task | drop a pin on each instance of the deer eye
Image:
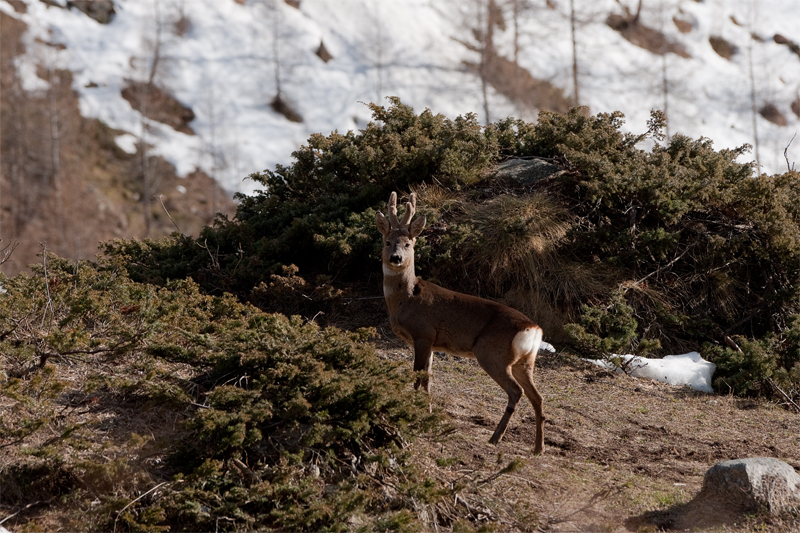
(388, 243)
(408, 244)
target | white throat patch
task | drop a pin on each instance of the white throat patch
(389, 272)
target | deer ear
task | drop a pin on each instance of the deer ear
(382, 223)
(416, 226)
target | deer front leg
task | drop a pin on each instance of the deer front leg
(423, 361)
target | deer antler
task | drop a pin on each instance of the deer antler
(393, 222)
(411, 208)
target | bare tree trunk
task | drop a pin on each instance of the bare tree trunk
(19, 163)
(379, 50)
(665, 91)
(213, 150)
(2, 161)
(575, 91)
(276, 48)
(635, 19)
(753, 100)
(517, 10)
(55, 147)
(144, 100)
(664, 75)
(485, 29)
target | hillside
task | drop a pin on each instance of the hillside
(229, 382)
(239, 373)
(65, 184)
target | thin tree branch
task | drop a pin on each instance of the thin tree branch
(786, 153)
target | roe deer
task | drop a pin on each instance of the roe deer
(428, 317)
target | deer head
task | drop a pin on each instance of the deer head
(399, 236)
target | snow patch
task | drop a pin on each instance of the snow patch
(126, 142)
(686, 369)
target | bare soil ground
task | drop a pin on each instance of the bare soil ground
(622, 454)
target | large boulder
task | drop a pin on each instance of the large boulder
(739, 486)
(755, 483)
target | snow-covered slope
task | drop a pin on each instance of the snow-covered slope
(222, 64)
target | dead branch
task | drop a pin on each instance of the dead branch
(9, 517)
(139, 498)
(46, 285)
(161, 199)
(786, 153)
(7, 250)
(730, 342)
(783, 393)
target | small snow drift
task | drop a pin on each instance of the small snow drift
(686, 369)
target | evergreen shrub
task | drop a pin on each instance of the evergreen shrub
(686, 236)
(254, 420)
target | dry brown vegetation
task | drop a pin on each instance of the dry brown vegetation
(159, 105)
(522, 88)
(684, 26)
(771, 112)
(652, 40)
(722, 47)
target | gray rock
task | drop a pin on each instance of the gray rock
(755, 483)
(526, 171)
(734, 488)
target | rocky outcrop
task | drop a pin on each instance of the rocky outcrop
(526, 171)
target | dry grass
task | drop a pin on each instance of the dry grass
(684, 26)
(521, 87)
(521, 254)
(771, 112)
(621, 454)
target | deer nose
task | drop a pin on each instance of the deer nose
(395, 259)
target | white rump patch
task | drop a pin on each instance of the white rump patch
(527, 342)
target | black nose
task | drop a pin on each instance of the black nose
(395, 259)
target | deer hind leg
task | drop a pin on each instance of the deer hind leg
(523, 372)
(509, 384)
(423, 361)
